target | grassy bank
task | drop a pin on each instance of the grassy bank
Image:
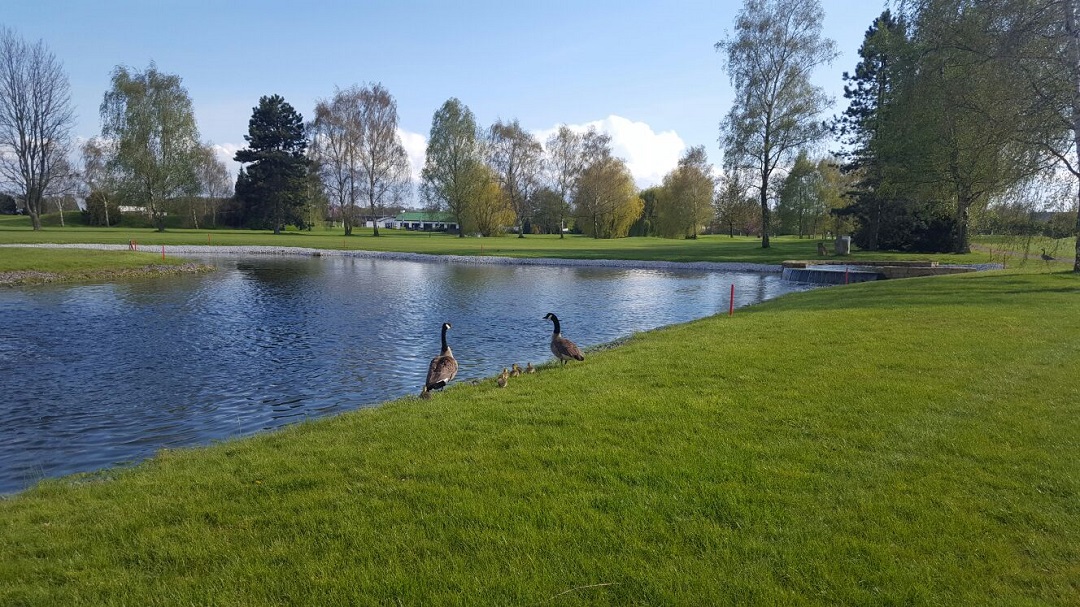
(32, 266)
(16, 230)
(899, 442)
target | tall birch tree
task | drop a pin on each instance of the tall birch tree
(150, 118)
(335, 143)
(384, 165)
(516, 158)
(776, 46)
(454, 171)
(565, 162)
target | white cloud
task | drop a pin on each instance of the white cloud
(649, 155)
(416, 148)
(225, 153)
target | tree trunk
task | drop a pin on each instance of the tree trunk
(32, 201)
(962, 220)
(1073, 43)
(764, 211)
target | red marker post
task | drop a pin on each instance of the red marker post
(731, 306)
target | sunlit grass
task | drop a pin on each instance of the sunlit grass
(21, 266)
(74, 261)
(898, 442)
(706, 248)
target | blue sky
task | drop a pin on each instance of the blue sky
(646, 72)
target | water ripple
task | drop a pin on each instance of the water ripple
(99, 375)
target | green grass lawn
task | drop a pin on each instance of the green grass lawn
(77, 260)
(899, 442)
(33, 265)
(16, 230)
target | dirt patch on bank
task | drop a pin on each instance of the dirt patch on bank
(35, 277)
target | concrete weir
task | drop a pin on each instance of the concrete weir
(841, 272)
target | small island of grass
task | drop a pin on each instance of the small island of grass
(25, 266)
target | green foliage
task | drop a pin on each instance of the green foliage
(551, 208)
(735, 210)
(950, 107)
(272, 188)
(516, 159)
(902, 225)
(678, 468)
(606, 203)
(800, 208)
(489, 211)
(870, 90)
(684, 204)
(646, 224)
(150, 119)
(454, 172)
(8, 206)
(101, 210)
(775, 48)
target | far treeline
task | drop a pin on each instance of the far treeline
(962, 117)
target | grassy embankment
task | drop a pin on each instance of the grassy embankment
(31, 266)
(900, 442)
(16, 230)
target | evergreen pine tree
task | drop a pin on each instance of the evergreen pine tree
(272, 189)
(870, 93)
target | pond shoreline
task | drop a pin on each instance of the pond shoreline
(256, 250)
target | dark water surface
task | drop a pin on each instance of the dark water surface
(95, 375)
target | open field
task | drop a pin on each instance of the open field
(898, 442)
(16, 230)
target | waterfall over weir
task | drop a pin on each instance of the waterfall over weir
(831, 274)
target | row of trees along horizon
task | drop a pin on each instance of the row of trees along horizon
(961, 115)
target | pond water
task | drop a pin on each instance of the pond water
(96, 375)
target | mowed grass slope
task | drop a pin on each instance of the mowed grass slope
(20, 266)
(901, 442)
(16, 230)
(75, 261)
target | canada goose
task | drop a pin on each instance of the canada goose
(562, 348)
(515, 370)
(1046, 257)
(529, 368)
(503, 378)
(442, 369)
(821, 250)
